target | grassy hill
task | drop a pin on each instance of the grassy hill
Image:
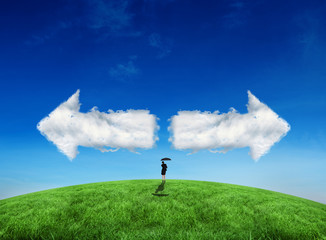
(147, 209)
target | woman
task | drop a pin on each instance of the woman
(163, 172)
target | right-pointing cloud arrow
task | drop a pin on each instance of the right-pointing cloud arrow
(258, 129)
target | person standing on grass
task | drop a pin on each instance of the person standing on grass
(163, 172)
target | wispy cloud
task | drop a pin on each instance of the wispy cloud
(105, 18)
(237, 15)
(37, 40)
(259, 129)
(111, 18)
(311, 37)
(41, 38)
(163, 45)
(111, 15)
(68, 128)
(124, 72)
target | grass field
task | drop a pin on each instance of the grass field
(147, 209)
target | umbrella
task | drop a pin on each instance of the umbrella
(165, 159)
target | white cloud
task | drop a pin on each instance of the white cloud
(68, 128)
(258, 129)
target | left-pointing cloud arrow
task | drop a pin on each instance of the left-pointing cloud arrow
(68, 128)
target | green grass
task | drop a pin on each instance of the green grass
(183, 210)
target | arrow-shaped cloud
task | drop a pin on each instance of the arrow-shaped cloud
(68, 128)
(258, 129)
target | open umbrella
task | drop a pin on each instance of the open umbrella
(166, 159)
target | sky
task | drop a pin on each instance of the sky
(162, 60)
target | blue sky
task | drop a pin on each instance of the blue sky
(164, 56)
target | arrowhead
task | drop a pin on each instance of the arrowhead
(268, 127)
(62, 119)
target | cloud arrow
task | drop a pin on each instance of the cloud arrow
(68, 128)
(258, 129)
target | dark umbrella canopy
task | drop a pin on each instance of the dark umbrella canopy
(166, 159)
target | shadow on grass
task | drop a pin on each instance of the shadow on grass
(160, 188)
(160, 194)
